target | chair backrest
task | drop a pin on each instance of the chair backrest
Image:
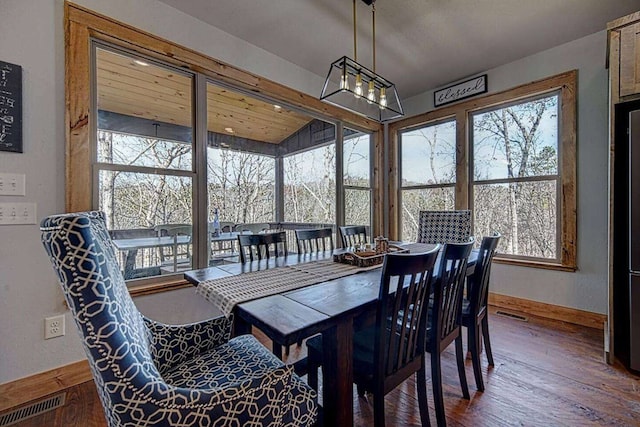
(258, 245)
(314, 240)
(225, 226)
(447, 298)
(112, 330)
(180, 250)
(255, 227)
(478, 284)
(402, 312)
(444, 226)
(353, 235)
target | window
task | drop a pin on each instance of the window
(160, 140)
(515, 179)
(428, 172)
(310, 186)
(508, 156)
(357, 178)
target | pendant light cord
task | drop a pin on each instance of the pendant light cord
(373, 18)
(355, 46)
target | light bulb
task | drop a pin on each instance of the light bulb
(344, 82)
(358, 91)
(383, 98)
(371, 93)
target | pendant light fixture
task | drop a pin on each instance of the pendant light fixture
(357, 88)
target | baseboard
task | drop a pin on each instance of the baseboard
(549, 311)
(24, 390)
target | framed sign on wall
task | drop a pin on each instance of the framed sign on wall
(456, 92)
(10, 107)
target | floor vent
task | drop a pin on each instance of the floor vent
(512, 316)
(37, 408)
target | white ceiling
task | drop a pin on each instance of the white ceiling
(420, 44)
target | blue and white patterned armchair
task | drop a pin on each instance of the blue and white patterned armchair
(151, 374)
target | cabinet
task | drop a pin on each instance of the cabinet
(624, 56)
(630, 60)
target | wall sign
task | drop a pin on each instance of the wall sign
(10, 107)
(472, 87)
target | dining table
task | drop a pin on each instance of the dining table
(334, 307)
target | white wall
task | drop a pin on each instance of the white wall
(585, 289)
(31, 35)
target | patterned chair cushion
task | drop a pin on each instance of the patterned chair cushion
(130, 355)
(444, 226)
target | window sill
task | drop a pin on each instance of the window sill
(158, 286)
(546, 265)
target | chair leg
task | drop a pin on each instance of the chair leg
(421, 386)
(436, 380)
(487, 341)
(461, 372)
(474, 347)
(312, 374)
(378, 409)
(361, 390)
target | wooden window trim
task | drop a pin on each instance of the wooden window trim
(566, 84)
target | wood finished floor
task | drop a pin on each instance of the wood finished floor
(547, 373)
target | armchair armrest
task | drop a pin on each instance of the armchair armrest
(171, 345)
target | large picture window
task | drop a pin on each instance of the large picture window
(509, 157)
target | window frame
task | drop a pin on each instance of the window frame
(402, 188)
(565, 84)
(83, 26)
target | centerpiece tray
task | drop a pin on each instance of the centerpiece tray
(366, 258)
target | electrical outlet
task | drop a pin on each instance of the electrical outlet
(53, 326)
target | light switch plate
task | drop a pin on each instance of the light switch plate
(12, 184)
(17, 213)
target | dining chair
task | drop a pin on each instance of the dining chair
(259, 245)
(179, 257)
(149, 373)
(474, 307)
(385, 355)
(444, 319)
(352, 235)
(314, 240)
(444, 226)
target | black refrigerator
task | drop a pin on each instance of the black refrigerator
(626, 228)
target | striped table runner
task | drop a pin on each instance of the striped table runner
(226, 292)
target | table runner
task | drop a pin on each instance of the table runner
(226, 292)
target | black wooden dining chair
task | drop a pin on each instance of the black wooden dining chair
(388, 353)
(444, 320)
(474, 307)
(259, 245)
(352, 235)
(314, 240)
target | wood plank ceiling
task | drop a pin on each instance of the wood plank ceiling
(145, 90)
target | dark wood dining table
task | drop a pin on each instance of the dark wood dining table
(333, 308)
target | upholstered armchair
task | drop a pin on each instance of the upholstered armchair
(151, 374)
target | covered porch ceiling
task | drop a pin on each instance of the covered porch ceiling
(143, 90)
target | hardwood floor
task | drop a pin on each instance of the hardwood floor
(547, 373)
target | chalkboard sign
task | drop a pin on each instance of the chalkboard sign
(10, 107)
